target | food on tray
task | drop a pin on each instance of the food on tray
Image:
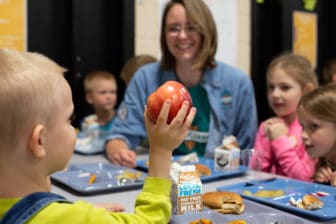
(189, 158)
(238, 221)
(185, 159)
(265, 193)
(309, 202)
(224, 201)
(320, 193)
(227, 155)
(201, 221)
(127, 174)
(92, 178)
(202, 170)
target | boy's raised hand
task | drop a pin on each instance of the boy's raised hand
(169, 136)
(163, 138)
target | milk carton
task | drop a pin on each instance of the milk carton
(186, 193)
(227, 155)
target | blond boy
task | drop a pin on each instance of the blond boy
(37, 139)
(100, 92)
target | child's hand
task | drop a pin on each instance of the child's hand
(163, 138)
(169, 136)
(274, 128)
(324, 175)
(122, 156)
(126, 157)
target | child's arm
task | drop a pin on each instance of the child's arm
(262, 156)
(290, 158)
(163, 138)
(153, 204)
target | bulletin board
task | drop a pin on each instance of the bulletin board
(13, 32)
(305, 35)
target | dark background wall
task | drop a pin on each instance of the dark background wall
(272, 34)
(83, 35)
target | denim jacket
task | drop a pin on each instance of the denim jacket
(231, 98)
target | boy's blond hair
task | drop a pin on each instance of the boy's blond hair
(28, 87)
(91, 77)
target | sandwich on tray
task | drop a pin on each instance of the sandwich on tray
(309, 202)
(224, 201)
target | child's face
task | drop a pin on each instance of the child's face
(104, 95)
(319, 136)
(60, 136)
(283, 93)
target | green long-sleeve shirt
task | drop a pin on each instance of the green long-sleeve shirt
(152, 206)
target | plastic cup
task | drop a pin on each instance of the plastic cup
(245, 157)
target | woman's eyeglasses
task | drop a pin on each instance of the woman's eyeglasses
(175, 30)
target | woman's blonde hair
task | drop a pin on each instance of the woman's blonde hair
(29, 84)
(296, 66)
(200, 16)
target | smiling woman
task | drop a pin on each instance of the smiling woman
(222, 94)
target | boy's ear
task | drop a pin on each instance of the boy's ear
(88, 98)
(37, 142)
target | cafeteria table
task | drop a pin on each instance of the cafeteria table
(127, 197)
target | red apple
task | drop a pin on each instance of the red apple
(172, 90)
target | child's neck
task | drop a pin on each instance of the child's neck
(331, 156)
(103, 117)
(289, 118)
(21, 185)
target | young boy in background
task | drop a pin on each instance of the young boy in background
(100, 92)
(37, 139)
